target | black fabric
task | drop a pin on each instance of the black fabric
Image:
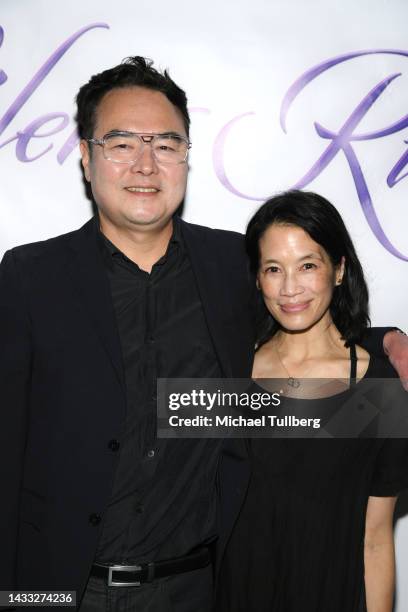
(298, 541)
(63, 397)
(372, 340)
(353, 365)
(162, 503)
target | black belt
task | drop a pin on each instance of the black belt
(135, 575)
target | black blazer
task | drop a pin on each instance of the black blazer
(63, 395)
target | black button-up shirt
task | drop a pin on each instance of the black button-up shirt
(163, 498)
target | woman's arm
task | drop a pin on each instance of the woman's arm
(379, 556)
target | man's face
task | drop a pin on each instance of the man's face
(119, 189)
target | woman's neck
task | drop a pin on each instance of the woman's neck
(321, 340)
(315, 353)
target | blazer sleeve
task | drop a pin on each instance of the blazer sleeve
(15, 368)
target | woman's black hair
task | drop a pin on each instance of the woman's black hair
(320, 219)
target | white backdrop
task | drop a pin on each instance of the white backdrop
(318, 90)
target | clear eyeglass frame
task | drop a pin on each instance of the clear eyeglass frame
(144, 138)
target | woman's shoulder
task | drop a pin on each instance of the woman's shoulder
(363, 362)
(265, 362)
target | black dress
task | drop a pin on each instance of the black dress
(298, 544)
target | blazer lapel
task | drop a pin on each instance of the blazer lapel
(230, 325)
(207, 274)
(86, 269)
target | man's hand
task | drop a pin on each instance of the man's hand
(396, 347)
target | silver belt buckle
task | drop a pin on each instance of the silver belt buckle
(122, 568)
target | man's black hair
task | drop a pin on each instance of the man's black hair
(132, 72)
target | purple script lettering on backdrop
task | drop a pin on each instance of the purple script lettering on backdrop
(23, 137)
(341, 140)
(218, 158)
(3, 75)
(393, 178)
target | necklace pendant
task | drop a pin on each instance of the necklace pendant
(293, 382)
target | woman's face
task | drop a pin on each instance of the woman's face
(296, 277)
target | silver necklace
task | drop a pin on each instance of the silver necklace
(292, 381)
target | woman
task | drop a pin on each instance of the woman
(315, 533)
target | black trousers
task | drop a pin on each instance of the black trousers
(187, 592)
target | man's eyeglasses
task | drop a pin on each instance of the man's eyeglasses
(127, 147)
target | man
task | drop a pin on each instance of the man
(93, 502)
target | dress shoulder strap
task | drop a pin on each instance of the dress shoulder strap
(353, 365)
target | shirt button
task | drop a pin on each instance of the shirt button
(95, 519)
(150, 453)
(114, 445)
(139, 509)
